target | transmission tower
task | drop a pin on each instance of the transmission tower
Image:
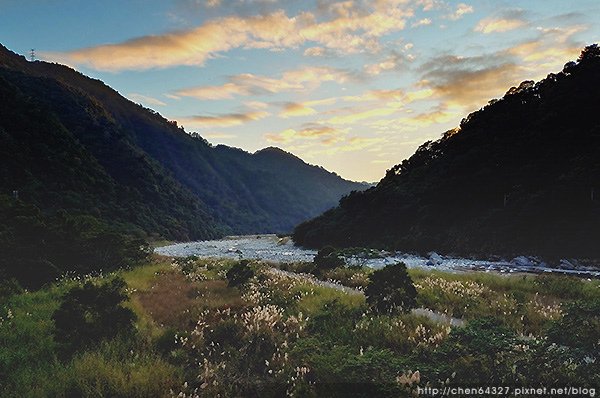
(32, 55)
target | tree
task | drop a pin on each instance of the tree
(92, 313)
(240, 273)
(326, 259)
(391, 290)
(589, 52)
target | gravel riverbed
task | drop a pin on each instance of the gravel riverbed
(272, 248)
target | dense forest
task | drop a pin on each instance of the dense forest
(71, 142)
(519, 176)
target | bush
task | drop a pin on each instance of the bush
(240, 273)
(579, 328)
(92, 313)
(327, 259)
(478, 353)
(391, 290)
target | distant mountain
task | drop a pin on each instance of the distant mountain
(520, 176)
(71, 142)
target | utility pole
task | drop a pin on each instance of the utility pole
(32, 55)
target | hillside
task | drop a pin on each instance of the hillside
(519, 176)
(71, 142)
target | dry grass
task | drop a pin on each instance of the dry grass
(169, 300)
(174, 301)
(215, 294)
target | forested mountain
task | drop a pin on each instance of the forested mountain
(70, 142)
(519, 176)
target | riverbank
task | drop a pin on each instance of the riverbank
(275, 249)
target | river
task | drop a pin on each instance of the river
(272, 248)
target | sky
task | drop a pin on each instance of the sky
(353, 86)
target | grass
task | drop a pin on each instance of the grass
(316, 297)
(275, 334)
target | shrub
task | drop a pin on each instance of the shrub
(327, 259)
(92, 313)
(391, 289)
(579, 327)
(240, 273)
(478, 353)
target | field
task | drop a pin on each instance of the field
(280, 334)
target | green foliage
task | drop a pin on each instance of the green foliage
(391, 290)
(335, 320)
(240, 273)
(327, 259)
(37, 248)
(479, 353)
(71, 142)
(579, 328)
(9, 287)
(92, 313)
(342, 371)
(537, 152)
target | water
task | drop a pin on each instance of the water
(272, 248)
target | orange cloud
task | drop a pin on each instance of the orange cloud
(226, 120)
(351, 30)
(245, 84)
(324, 134)
(292, 109)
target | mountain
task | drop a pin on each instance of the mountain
(519, 176)
(73, 143)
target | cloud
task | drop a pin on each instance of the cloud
(225, 120)
(471, 81)
(468, 81)
(324, 134)
(491, 25)
(439, 114)
(315, 52)
(225, 91)
(508, 20)
(143, 99)
(359, 116)
(422, 22)
(390, 63)
(350, 30)
(461, 10)
(302, 79)
(292, 109)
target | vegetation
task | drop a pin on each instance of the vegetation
(37, 249)
(391, 290)
(284, 334)
(517, 177)
(327, 259)
(90, 314)
(70, 142)
(240, 273)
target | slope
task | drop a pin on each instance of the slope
(212, 190)
(519, 176)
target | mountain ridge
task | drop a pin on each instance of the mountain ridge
(226, 189)
(519, 176)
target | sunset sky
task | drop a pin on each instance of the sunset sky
(354, 86)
